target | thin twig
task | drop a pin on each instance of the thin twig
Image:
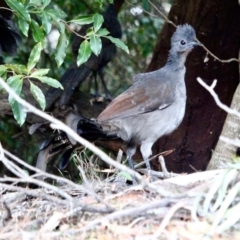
(165, 153)
(150, 14)
(38, 183)
(58, 179)
(227, 109)
(167, 218)
(123, 213)
(9, 9)
(163, 15)
(205, 48)
(210, 89)
(56, 124)
(35, 193)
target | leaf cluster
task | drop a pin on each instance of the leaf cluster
(40, 16)
(93, 42)
(19, 73)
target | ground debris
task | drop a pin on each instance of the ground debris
(163, 208)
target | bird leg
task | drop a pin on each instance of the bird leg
(107, 93)
(130, 162)
(131, 149)
(146, 150)
(97, 94)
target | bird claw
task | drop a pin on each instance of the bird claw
(99, 98)
(96, 100)
(108, 97)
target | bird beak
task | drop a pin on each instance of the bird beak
(196, 44)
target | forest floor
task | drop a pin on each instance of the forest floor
(201, 205)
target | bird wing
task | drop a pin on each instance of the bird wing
(151, 91)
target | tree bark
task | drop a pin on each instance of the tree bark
(217, 24)
(224, 152)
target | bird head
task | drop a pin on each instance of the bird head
(184, 39)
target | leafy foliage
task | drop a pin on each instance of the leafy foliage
(93, 43)
(19, 74)
(40, 16)
(139, 34)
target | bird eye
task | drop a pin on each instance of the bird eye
(183, 42)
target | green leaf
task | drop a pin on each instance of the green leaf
(55, 14)
(15, 83)
(101, 2)
(50, 81)
(97, 21)
(46, 22)
(3, 69)
(89, 32)
(37, 31)
(4, 77)
(38, 95)
(19, 8)
(24, 26)
(146, 5)
(60, 51)
(39, 72)
(118, 43)
(82, 20)
(124, 176)
(18, 112)
(34, 56)
(84, 52)
(34, 2)
(102, 32)
(46, 3)
(17, 68)
(61, 27)
(95, 44)
(3, 72)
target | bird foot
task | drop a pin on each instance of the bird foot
(99, 99)
(96, 100)
(108, 97)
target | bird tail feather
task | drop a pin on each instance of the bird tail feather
(63, 144)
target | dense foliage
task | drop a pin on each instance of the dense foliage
(47, 29)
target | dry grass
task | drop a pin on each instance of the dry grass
(197, 206)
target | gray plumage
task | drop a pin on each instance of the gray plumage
(155, 104)
(151, 108)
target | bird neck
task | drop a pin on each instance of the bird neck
(111, 10)
(111, 22)
(176, 60)
(115, 6)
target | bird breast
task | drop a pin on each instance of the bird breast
(150, 126)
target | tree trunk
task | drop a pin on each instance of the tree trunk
(224, 152)
(217, 24)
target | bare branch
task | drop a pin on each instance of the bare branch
(235, 142)
(216, 98)
(61, 126)
(123, 213)
(205, 48)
